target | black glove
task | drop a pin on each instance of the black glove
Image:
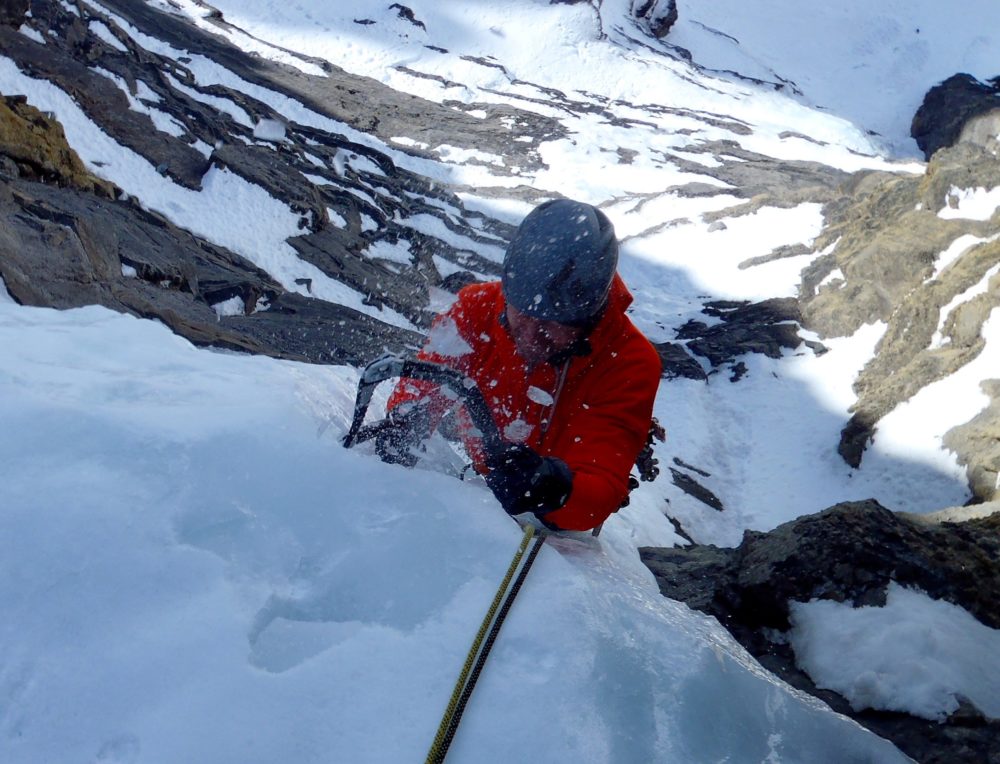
(403, 430)
(524, 481)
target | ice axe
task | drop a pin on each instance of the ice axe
(390, 366)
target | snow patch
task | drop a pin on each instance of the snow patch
(915, 655)
(270, 130)
(834, 279)
(959, 247)
(402, 140)
(336, 218)
(32, 34)
(970, 203)
(540, 396)
(461, 156)
(938, 340)
(234, 306)
(101, 29)
(445, 339)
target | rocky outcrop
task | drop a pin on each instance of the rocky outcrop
(677, 362)
(66, 239)
(658, 15)
(759, 181)
(66, 248)
(881, 242)
(977, 445)
(685, 481)
(12, 12)
(769, 327)
(886, 238)
(959, 109)
(848, 553)
(33, 146)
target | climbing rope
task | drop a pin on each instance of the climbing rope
(482, 645)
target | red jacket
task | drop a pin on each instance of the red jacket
(597, 423)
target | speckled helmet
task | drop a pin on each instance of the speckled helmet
(560, 264)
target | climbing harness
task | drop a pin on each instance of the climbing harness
(483, 644)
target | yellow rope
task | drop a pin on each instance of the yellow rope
(435, 756)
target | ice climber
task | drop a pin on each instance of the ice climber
(569, 379)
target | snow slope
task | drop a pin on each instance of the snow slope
(870, 63)
(193, 569)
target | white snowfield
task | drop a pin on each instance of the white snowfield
(192, 569)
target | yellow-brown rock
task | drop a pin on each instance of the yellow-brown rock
(37, 146)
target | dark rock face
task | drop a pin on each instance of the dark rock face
(65, 237)
(694, 489)
(659, 15)
(67, 241)
(85, 244)
(767, 327)
(677, 362)
(99, 97)
(848, 553)
(948, 107)
(406, 13)
(12, 12)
